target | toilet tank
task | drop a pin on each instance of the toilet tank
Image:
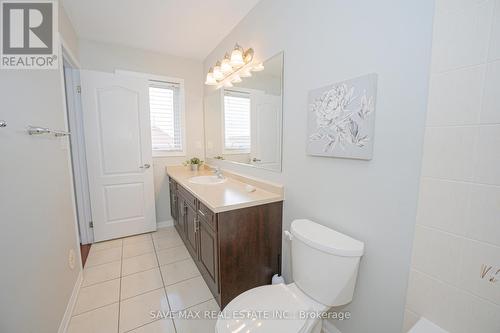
(324, 262)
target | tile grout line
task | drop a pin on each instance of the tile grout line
(121, 276)
(105, 263)
(478, 124)
(99, 307)
(133, 329)
(183, 280)
(142, 293)
(103, 281)
(455, 287)
(174, 262)
(164, 287)
(462, 237)
(154, 248)
(468, 182)
(141, 271)
(142, 254)
(192, 306)
(109, 248)
(491, 32)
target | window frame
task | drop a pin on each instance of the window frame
(182, 102)
(241, 93)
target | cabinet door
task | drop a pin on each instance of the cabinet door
(173, 203)
(208, 255)
(191, 226)
(181, 219)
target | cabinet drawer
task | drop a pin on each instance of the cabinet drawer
(207, 215)
(190, 199)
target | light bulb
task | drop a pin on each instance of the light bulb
(210, 81)
(259, 67)
(225, 66)
(248, 56)
(236, 79)
(237, 56)
(217, 72)
(228, 84)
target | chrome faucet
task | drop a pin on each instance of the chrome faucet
(218, 172)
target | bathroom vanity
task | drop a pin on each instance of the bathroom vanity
(233, 236)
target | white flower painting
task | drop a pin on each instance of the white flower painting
(341, 119)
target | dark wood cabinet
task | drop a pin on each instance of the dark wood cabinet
(180, 222)
(191, 228)
(235, 250)
(208, 255)
(174, 207)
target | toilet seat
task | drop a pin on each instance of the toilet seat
(269, 309)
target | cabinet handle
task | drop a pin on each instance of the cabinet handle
(195, 222)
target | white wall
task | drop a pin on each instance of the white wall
(106, 57)
(68, 33)
(458, 226)
(37, 215)
(374, 201)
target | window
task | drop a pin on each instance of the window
(236, 122)
(166, 118)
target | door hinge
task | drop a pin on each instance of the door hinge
(91, 224)
(79, 89)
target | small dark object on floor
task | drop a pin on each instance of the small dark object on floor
(84, 249)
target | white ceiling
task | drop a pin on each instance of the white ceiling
(185, 28)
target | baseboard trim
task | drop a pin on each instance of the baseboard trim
(328, 327)
(164, 224)
(63, 327)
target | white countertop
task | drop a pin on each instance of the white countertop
(229, 195)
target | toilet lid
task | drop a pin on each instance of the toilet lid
(266, 309)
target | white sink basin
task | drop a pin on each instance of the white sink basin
(207, 180)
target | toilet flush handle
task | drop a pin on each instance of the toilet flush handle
(288, 235)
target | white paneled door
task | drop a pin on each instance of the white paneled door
(118, 146)
(266, 130)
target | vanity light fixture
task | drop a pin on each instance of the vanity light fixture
(226, 66)
(237, 56)
(217, 73)
(210, 81)
(258, 68)
(239, 64)
(236, 79)
(246, 73)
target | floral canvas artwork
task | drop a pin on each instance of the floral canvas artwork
(341, 119)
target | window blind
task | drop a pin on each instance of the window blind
(236, 121)
(165, 114)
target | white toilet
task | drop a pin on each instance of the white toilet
(324, 266)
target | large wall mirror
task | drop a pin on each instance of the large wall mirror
(243, 123)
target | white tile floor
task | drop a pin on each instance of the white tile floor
(125, 279)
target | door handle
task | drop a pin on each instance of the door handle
(3, 123)
(145, 166)
(255, 160)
